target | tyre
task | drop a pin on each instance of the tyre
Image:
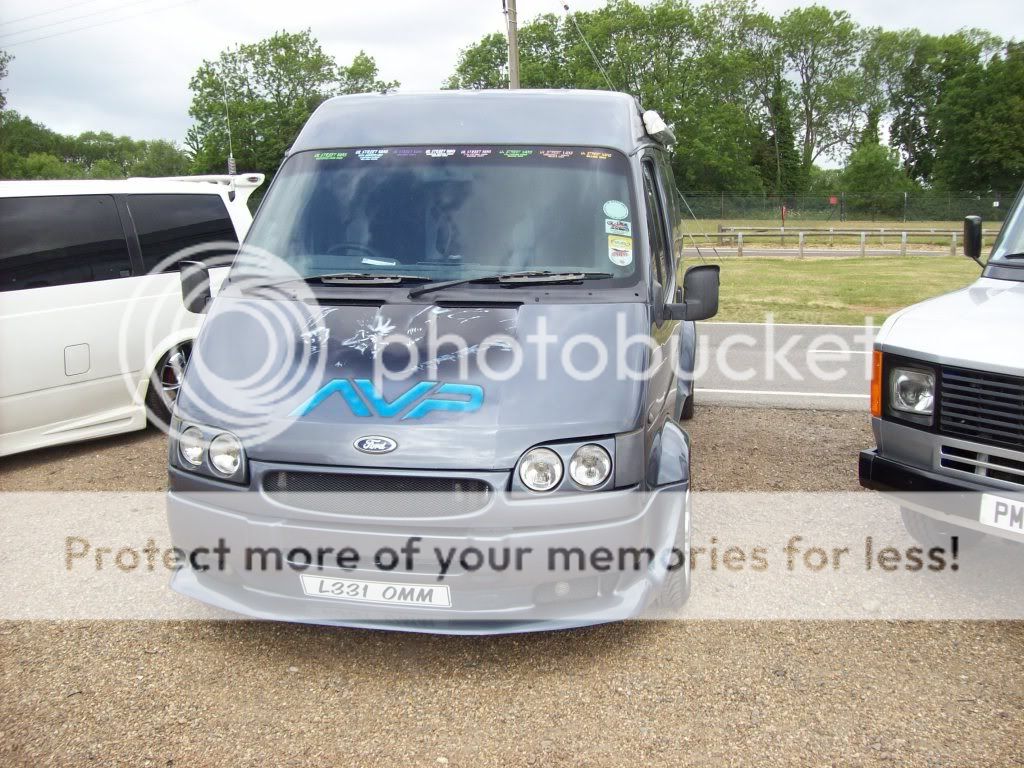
(687, 413)
(164, 384)
(929, 532)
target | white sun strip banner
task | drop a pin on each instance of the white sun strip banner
(751, 556)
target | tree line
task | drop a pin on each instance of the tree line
(806, 102)
(759, 102)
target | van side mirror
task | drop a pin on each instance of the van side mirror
(195, 286)
(700, 294)
(972, 237)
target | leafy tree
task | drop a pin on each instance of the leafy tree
(979, 126)
(874, 180)
(268, 90)
(160, 158)
(822, 47)
(483, 65)
(5, 59)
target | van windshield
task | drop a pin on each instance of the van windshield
(1009, 246)
(451, 213)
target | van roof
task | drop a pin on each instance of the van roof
(110, 187)
(525, 116)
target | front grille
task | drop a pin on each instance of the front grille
(982, 407)
(1004, 468)
(377, 496)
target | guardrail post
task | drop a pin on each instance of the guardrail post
(952, 244)
(831, 236)
(903, 244)
(739, 243)
(881, 236)
(863, 244)
(801, 246)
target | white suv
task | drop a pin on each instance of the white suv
(92, 327)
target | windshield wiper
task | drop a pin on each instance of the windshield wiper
(513, 279)
(353, 278)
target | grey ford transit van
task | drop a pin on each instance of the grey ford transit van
(442, 385)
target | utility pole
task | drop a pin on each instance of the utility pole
(513, 43)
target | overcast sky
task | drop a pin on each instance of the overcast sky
(124, 65)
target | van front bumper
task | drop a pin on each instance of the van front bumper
(952, 500)
(487, 600)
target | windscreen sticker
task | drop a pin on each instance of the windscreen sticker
(408, 152)
(616, 227)
(330, 155)
(597, 155)
(616, 209)
(440, 152)
(371, 154)
(475, 153)
(516, 153)
(620, 250)
(557, 154)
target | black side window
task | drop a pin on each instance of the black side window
(655, 226)
(46, 241)
(168, 223)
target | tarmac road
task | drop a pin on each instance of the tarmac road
(787, 366)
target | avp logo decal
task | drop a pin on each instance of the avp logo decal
(418, 401)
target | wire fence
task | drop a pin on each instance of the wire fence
(841, 206)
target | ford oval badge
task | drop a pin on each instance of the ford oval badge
(375, 444)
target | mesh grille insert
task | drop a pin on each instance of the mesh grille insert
(377, 495)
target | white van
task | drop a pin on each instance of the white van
(92, 327)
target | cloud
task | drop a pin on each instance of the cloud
(131, 77)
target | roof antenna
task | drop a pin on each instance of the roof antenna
(593, 55)
(232, 168)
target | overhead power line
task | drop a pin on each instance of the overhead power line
(52, 10)
(100, 12)
(98, 24)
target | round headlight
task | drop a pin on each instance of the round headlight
(590, 465)
(190, 446)
(226, 454)
(540, 469)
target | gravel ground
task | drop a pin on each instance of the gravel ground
(685, 693)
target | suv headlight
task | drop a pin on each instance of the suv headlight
(207, 451)
(567, 467)
(912, 393)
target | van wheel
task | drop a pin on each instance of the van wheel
(929, 532)
(164, 384)
(687, 413)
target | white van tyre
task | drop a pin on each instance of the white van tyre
(929, 532)
(165, 382)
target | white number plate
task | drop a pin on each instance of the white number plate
(1005, 514)
(381, 592)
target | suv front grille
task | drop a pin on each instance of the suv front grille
(377, 496)
(982, 407)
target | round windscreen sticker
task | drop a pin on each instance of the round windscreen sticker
(616, 209)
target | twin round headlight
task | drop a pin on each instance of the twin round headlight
(541, 469)
(225, 451)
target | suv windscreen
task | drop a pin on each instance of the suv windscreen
(1009, 246)
(450, 213)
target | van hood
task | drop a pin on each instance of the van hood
(981, 326)
(296, 381)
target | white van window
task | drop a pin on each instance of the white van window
(168, 223)
(58, 240)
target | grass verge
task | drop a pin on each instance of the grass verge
(841, 291)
